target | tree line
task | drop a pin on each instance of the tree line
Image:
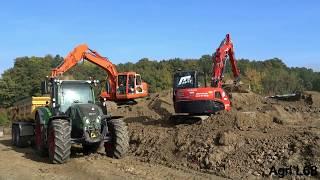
(270, 76)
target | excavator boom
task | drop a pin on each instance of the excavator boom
(83, 52)
(224, 52)
(137, 88)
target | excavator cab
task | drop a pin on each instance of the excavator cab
(185, 79)
(188, 79)
(192, 96)
(130, 86)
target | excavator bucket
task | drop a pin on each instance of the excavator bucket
(238, 88)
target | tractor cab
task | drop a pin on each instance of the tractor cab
(74, 92)
(65, 93)
(75, 100)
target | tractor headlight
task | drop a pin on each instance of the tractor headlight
(86, 120)
(98, 120)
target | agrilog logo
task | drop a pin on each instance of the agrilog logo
(294, 170)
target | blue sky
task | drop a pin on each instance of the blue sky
(130, 30)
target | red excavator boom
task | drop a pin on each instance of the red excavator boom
(224, 52)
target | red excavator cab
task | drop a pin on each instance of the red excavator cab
(192, 96)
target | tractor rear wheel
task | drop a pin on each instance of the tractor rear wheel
(59, 141)
(119, 144)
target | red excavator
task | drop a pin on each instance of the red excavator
(188, 95)
(124, 86)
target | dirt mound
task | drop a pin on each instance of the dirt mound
(255, 135)
(247, 101)
(246, 142)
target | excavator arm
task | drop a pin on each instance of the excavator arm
(224, 52)
(83, 52)
(70, 60)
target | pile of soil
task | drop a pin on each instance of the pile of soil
(255, 135)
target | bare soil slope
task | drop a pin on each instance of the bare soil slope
(257, 134)
(23, 163)
(246, 142)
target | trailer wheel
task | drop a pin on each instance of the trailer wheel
(17, 140)
(21, 141)
(39, 138)
(119, 144)
(13, 136)
(59, 141)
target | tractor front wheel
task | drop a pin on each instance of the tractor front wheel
(119, 144)
(59, 141)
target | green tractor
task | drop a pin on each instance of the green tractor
(73, 117)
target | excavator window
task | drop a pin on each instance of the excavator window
(184, 79)
(122, 83)
(201, 80)
(138, 80)
(131, 84)
(217, 95)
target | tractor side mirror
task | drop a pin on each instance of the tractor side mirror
(44, 87)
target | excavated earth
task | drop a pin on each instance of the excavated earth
(245, 143)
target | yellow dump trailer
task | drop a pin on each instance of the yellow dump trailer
(24, 110)
(22, 115)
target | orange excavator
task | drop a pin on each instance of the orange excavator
(188, 95)
(120, 87)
